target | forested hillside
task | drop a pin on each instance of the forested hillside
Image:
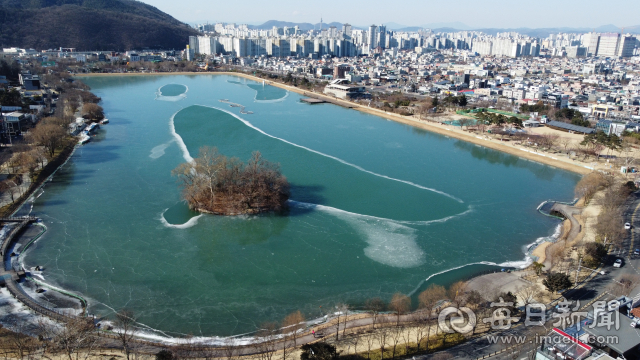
(89, 25)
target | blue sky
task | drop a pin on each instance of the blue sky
(474, 13)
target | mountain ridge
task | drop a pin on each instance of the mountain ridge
(89, 25)
(457, 26)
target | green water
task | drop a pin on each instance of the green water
(173, 90)
(264, 93)
(377, 207)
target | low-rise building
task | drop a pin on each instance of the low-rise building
(339, 89)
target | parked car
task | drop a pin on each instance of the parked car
(627, 226)
(618, 263)
(636, 252)
(634, 324)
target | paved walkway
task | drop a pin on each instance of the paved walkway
(568, 211)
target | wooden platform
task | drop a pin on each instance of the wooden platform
(313, 101)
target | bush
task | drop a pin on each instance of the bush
(318, 351)
(557, 281)
(596, 250)
(164, 355)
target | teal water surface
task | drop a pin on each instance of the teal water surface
(376, 208)
(173, 90)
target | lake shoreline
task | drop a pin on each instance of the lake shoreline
(429, 127)
(446, 130)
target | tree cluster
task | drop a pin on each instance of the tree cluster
(10, 69)
(539, 107)
(557, 281)
(590, 184)
(599, 141)
(11, 98)
(460, 100)
(574, 117)
(51, 133)
(498, 119)
(216, 184)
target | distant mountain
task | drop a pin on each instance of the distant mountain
(395, 26)
(450, 27)
(544, 32)
(454, 25)
(303, 26)
(89, 25)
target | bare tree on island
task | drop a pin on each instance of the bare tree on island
(219, 185)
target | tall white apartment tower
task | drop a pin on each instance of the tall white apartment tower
(346, 30)
(371, 37)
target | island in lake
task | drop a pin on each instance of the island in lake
(213, 183)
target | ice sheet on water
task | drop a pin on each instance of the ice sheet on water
(158, 151)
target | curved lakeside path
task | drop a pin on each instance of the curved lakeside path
(10, 277)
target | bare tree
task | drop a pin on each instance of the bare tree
(548, 141)
(528, 294)
(589, 185)
(400, 304)
(292, 324)
(93, 111)
(395, 334)
(455, 293)
(18, 343)
(370, 339)
(50, 136)
(465, 122)
(383, 335)
(344, 308)
(230, 349)
(268, 344)
(564, 143)
(610, 227)
(125, 330)
(429, 298)
(375, 306)
(75, 335)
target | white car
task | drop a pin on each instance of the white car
(627, 226)
(618, 263)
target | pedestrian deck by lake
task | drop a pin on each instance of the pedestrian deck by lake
(313, 101)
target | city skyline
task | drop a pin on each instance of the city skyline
(487, 14)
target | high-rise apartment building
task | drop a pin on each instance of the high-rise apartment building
(193, 43)
(627, 46)
(608, 45)
(346, 30)
(382, 36)
(371, 37)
